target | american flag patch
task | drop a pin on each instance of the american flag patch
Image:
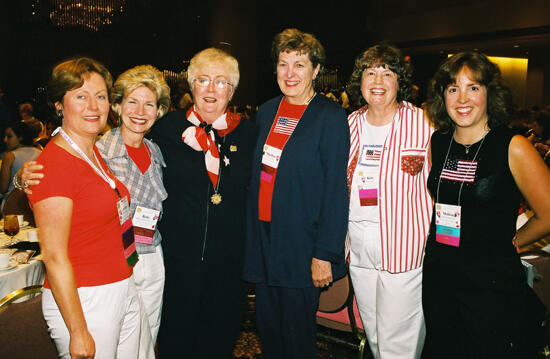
(372, 155)
(459, 170)
(285, 125)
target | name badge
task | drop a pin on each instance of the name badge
(271, 156)
(145, 223)
(447, 224)
(368, 189)
(123, 210)
(370, 155)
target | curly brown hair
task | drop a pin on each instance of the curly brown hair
(303, 43)
(484, 72)
(381, 55)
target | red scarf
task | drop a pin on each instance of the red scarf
(202, 137)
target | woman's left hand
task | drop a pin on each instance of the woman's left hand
(321, 272)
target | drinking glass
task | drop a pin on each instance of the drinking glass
(11, 225)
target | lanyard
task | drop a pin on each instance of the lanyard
(99, 170)
(445, 162)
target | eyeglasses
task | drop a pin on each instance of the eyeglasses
(220, 83)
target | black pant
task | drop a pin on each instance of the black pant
(202, 310)
(480, 324)
(286, 321)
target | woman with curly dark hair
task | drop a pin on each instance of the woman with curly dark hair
(390, 207)
(476, 301)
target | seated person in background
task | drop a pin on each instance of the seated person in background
(540, 136)
(19, 142)
(40, 138)
(26, 112)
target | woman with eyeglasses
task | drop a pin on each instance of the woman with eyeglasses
(208, 153)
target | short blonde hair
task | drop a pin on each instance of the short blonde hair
(217, 56)
(136, 77)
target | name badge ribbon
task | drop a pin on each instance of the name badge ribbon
(447, 224)
(145, 223)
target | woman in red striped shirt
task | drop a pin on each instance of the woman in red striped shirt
(390, 207)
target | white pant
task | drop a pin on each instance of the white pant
(390, 304)
(149, 279)
(112, 313)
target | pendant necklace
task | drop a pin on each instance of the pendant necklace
(467, 147)
(311, 98)
(216, 198)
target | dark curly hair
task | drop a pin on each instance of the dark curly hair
(484, 72)
(304, 43)
(382, 55)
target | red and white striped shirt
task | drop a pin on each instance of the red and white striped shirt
(405, 205)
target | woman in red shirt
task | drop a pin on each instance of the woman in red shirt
(89, 298)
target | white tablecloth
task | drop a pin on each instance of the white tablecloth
(23, 275)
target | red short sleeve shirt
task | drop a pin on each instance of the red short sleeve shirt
(95, 242)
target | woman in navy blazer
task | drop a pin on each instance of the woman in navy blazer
(298, 203)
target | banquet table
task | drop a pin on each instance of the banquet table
(21, 275)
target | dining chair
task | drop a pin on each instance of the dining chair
(541, 286)
(24, 331)
(17, 203)
(338, 297)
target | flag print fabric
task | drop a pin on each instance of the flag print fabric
(459, 170)
(285, 125)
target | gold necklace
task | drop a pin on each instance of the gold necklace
(311, 98)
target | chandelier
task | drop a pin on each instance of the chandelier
(90, 14)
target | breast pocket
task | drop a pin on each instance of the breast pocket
(412, 160)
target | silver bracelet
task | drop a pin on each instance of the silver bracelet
(17, 183)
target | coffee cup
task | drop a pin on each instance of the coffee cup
(4, 260)
(32, 236)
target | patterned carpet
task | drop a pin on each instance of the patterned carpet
(248, 347)
(248, 344)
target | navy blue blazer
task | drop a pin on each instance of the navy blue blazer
(309, 208)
